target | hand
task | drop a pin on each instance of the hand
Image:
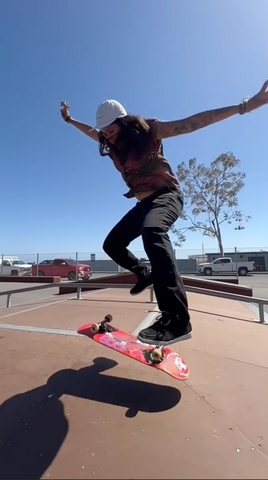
(260, 99)
(65, 111)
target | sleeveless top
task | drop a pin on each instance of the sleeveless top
(150, 172)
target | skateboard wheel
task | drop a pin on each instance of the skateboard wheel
(95, 328)
(156, 355)
(108, 318)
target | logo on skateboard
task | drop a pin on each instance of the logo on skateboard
(109, 341)
(178, 362)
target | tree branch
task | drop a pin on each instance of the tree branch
(211, 194)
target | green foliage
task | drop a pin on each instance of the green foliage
(210, 197)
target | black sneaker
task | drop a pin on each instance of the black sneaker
(141, 284)
(166, 331)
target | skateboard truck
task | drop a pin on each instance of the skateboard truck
(102, 327)
(156, 355)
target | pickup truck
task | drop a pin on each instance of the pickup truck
(17, 267)
(225, 265)
(62, 267)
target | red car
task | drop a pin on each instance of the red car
(62, 267)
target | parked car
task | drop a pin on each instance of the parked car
(63, 267)
(15, 267)
(225, 264)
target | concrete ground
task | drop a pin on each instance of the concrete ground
(71, 408)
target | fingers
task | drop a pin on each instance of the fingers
(64, 114)
(65, 104)
(264, 87)
(65, 109)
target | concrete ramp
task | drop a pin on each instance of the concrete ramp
(70, 408)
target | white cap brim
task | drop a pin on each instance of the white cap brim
(106, 124)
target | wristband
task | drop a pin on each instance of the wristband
(243, 107)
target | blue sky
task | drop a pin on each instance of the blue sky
(164, 59)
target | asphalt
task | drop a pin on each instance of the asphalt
(258, 282)
(34, 296)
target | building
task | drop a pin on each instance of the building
(260, 258)
(201, 258)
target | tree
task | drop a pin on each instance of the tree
(210, 197)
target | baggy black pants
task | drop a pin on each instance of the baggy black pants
(152, 218)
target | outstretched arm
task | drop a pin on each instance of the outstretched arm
(195, 122)
(203, 119)
(83, 127)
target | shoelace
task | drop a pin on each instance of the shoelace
(161, 321)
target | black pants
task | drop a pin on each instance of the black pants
(152, 218)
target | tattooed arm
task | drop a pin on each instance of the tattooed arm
(195, 122)
(201, 120)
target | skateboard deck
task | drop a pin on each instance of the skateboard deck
(157, 356)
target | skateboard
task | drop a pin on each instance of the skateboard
(157, 356)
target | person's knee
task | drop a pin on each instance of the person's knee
(113, 242)
(109, 244)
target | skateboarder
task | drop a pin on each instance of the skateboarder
(134, 144)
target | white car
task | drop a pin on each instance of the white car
(225, 265)
(16, 267)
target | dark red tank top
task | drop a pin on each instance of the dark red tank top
(150, 172)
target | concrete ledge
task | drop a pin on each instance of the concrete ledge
(130, 279)
(30, 279)
(234, 280)
(218, 285)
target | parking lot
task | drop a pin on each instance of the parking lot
(35, 296)
(258, 282)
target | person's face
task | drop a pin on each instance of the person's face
(111, 133)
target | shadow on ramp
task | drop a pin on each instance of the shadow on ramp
(33, 424)
(134, 395)
(32, 430)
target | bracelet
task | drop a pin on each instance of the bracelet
(243, 107)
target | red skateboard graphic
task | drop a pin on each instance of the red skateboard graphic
(160, 357)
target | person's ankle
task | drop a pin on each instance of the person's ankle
(142, 284)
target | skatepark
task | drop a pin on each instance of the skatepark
(70, 408)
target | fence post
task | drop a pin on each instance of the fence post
(261, 312)
(8, 300)
(37, 264)
(236, 263)
(76, 259)
(2, 264)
